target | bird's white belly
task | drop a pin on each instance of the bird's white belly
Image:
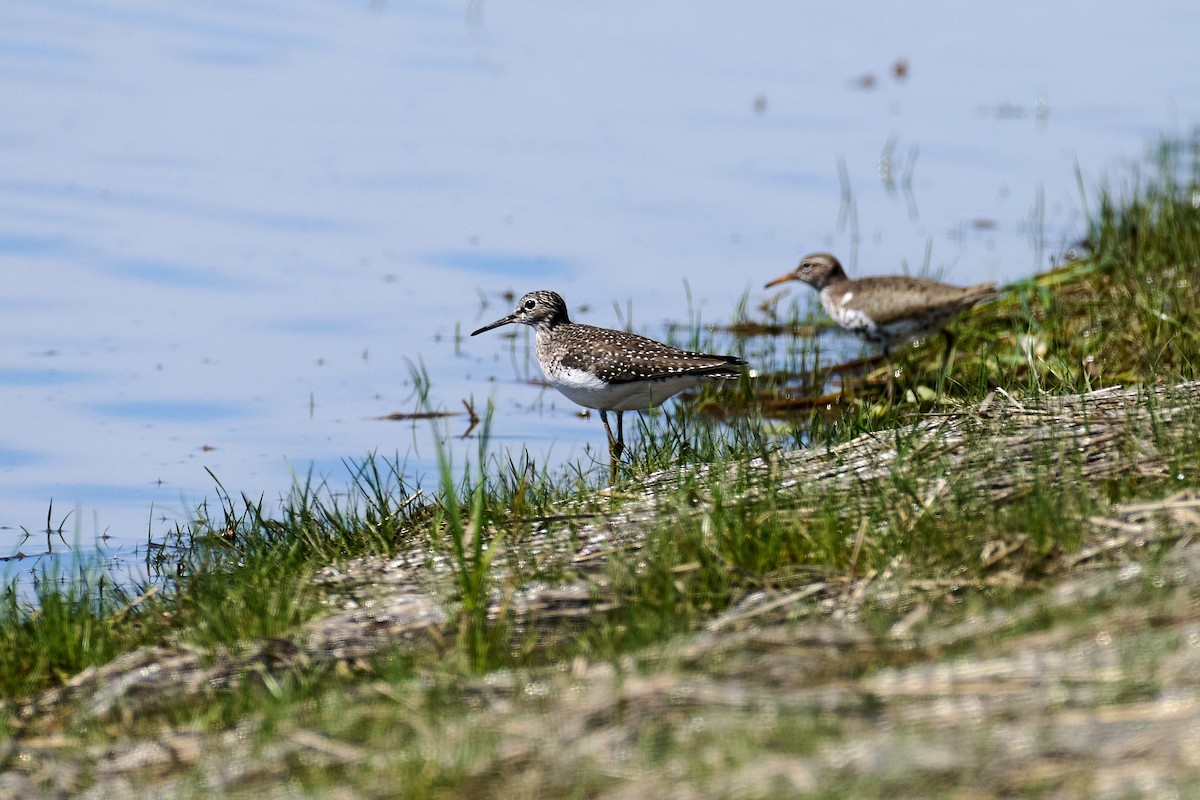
(903, 329)
(852, 319)
(589, 391)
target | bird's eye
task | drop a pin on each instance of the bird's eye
(530, 305)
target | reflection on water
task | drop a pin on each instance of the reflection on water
(234, 235)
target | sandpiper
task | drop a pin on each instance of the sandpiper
(610, 370)
(887, 309)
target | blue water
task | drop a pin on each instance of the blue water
(229, 232)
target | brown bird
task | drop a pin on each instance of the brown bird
(887, 309)
(610, 370)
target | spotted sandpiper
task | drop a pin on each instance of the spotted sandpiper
(887, 309)
(610, 370)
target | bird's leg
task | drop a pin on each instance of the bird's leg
(949, 348)
(613, 448)
(615, 456)
(615, 445)
(891, 381)
(607, 430)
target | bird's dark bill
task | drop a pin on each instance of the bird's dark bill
(496, 324)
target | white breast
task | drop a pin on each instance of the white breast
(851, 319)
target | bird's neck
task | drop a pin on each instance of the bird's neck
(548, 326)
(836, 283)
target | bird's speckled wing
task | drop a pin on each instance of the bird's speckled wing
(620, 357)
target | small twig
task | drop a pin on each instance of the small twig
(904, 626)
(986, 404)
(341, 751)
(1005, 550)
(858, 543)
(153, 590)
(1117, 525)
(787, 599)
(1012, 400)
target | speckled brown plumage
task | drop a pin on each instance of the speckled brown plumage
(886, 309)
(610, 370)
